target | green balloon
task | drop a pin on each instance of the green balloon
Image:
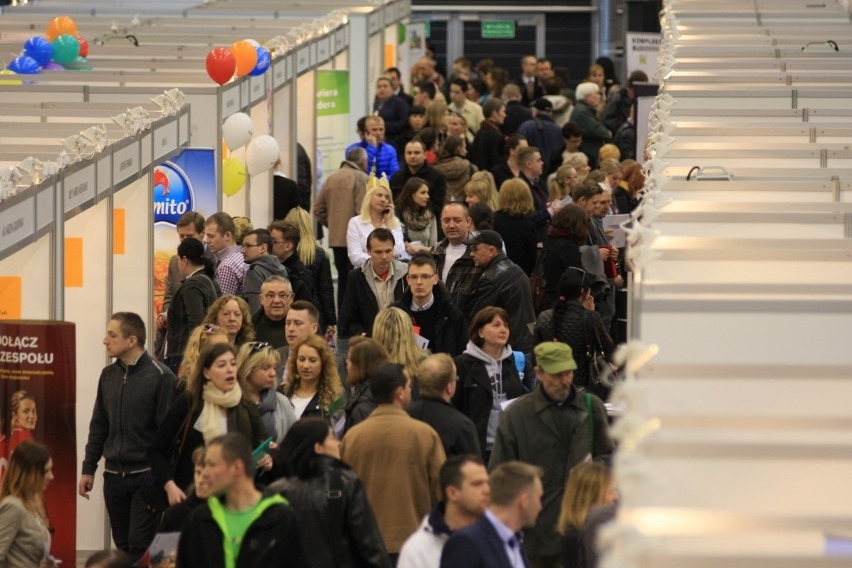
(66, 48)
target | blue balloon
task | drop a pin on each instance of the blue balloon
(24, 65)
(39, 49)
(264, 60)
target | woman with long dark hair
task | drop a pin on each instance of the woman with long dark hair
(336, 522)
(212, 405)
(24, 525)
(419, 223)
(191, 301)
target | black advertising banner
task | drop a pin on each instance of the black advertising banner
(38, 401)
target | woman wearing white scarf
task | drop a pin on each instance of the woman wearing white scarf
(212, 405)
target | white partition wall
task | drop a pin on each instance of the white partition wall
(87, 304)
(738, 379)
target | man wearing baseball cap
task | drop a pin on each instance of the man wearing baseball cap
(502, 284)
(555, 427)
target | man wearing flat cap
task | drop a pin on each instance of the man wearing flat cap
(555, 427)
(502, 284)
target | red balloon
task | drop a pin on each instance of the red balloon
(221, 65)
(84, 47)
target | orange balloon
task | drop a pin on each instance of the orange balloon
(246, 56)
(61, 25)
(225, 151)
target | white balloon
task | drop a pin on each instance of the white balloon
(237, 130)
(253, 42)
(261, 154)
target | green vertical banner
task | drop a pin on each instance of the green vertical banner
(333, 134)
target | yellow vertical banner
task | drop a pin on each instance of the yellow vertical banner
(74, 262)
(10, 297)
(118, 231)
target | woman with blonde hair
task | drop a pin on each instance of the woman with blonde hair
(256, 364)
(315, 259)
(436, 111)
(519, 223)
(481, 190)
(392, 328)
(24, 418)
(589, 484)
(232, 314)
(377, 211)
(313, 383)
(201, 336)
(563, 182)
(580, 162)
(364, 356)
(24, 526)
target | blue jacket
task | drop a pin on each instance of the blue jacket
(383, 158)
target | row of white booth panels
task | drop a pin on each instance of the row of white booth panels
(36, 115)
(749, 299)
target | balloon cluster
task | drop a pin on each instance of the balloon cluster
(60, 47)
(261, 154)
(244, 57)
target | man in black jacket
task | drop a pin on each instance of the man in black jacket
(285, 240)
(505, 285)
(487, 148)
(437, 378)
(239, 526)
(257, 249)
(416, 166)
(427, 302)
(376, 285)
(133, 397)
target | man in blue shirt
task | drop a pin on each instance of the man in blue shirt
(381, 157)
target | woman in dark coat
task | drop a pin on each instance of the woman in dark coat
(568, 230)
(365, 354)
(194, 419)
(575, 322)
(518, 222)
(195, 295)
(336, 522)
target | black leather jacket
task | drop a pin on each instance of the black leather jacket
(334, 513)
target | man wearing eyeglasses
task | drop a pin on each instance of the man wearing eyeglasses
(436, 319)
(276, 296)
(256, 249)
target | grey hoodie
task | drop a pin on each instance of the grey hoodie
(494, 368)
(259, 270)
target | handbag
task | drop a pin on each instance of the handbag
(538, 283)
(599, 366)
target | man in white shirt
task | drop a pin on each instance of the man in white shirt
(464, 486)
(471, 111)
(495, 539)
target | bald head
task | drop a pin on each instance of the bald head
(437, 376)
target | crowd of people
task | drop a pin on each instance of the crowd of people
(463, 419)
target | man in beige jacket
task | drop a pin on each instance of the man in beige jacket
(398, 458)
(338, 201)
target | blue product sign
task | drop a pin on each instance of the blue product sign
(173, 195)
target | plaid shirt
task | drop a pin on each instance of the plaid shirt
(231, 270)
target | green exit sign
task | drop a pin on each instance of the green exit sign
(498, 29)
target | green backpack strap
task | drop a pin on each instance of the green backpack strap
(591, 411)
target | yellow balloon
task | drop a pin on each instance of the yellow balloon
(9, 81)
(233, 176)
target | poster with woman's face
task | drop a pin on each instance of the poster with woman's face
(37, 403)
